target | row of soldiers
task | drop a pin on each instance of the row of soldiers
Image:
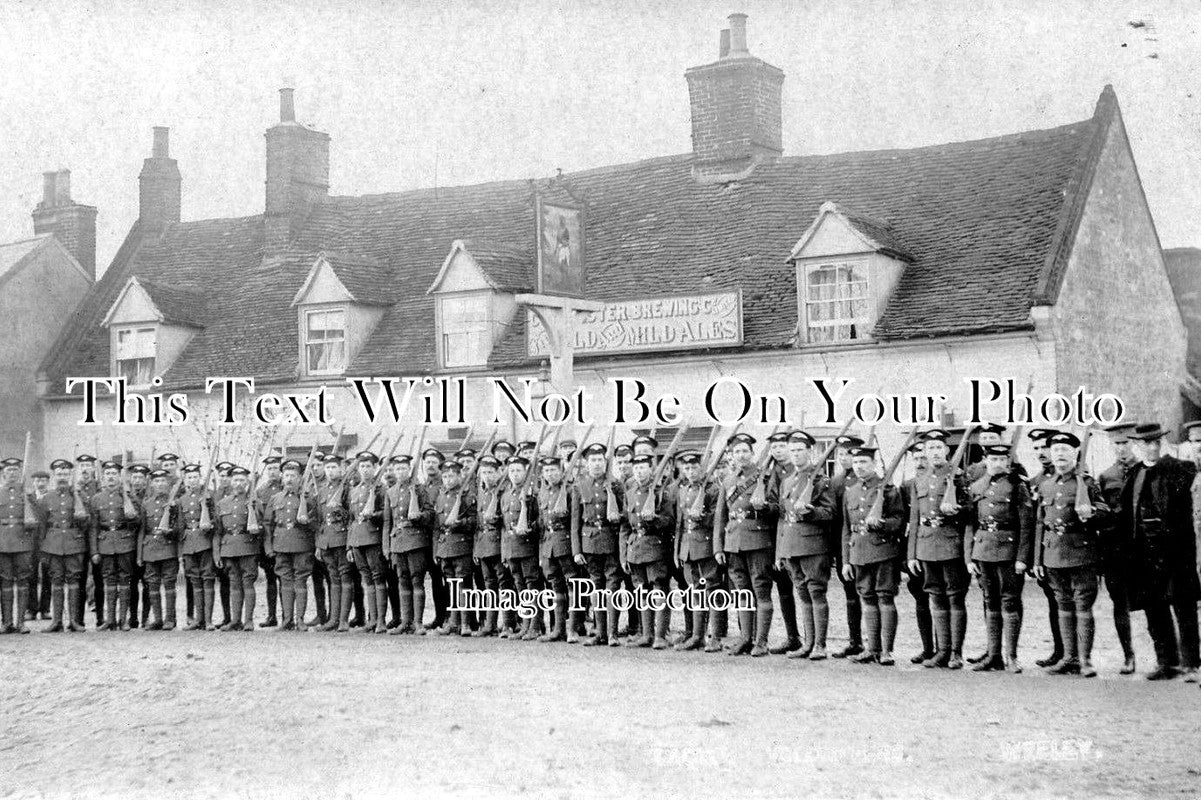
(771, 523)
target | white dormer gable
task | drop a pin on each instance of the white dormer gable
(133, 304)
(144, 338)
(332, 323)
(322, 285)
(472, 311)
(460, 272)
(831, 234)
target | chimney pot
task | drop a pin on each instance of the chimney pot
(723, 47)
(161, 148)
(62, 189)
(287, 109)
(737, 34)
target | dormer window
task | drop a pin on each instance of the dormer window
(133, 355)
(836, 306)
(465, 323)
(325, 341)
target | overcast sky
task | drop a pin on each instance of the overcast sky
(458, 92)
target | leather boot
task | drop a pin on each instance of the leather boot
(992, 657)
(489, 626)
(56, 609)
(287, 605)
(854, 630)
(712, 639)
(1056, 634)
(21, 595)
(925, 630)
(381, 609)
(697, 640)
(156, 612)
(6, 610)
(808, 631)
(1084, 637)
(612, 620)
(335, 605)
(319, 600)
(559, 632)
(123, 607)
(821, 627)
(646, 635)
(941, 623)
(792, 641)
(871, 635)
(419, 610)
(272, 598)
(249, 599)
(958, 631)
(1121, 623)
(110, 609)
(1011, 628)
(662, 621)
(193, 620)
(406, 611)
(762, 627)
(206, 614)
(347, 593)
(888, 633)
(74, 622)
(300, 598)
(575, 621)
(169, 608)
(508, 625)
(742, 645)
(236, 599)
(1070, 663)
(601, 636)
(453, 621)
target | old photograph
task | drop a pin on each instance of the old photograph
(600, 399)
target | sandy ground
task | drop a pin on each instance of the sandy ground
(270, 714)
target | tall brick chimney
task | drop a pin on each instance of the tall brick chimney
(73, 224)
(297, 174)
(736, 101)
(159, 183)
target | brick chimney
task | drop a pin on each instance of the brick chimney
(736, 100)
(73, 224)
(159, 183)
(297, 174)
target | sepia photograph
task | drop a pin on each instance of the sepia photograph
(598, 399)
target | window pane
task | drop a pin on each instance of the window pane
(836, 306)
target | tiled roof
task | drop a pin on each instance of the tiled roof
(985, 222)
(178, 305)
(1184, 273)
(367, 279)
(13, 254)
(508, 266)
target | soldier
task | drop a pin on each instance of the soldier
(999, 538)
(139, 483)
(936, 549)
(1156, 518)
(748, 507)
(291, 542)
(915, 581)
(114, 538)
(65, 541)
(1115, 546)
(623, 467)
(269, 485)
(408, 523)
(987, 435)
(648, 546)
(332, 498)
(197, 550)
(39, 582)
(455, 516)
(696, 504)
(18, 543)
(519, 539)
(314, 471)
(595, 531)
(803, 541)
(1038, 440)
(431, 461)
(844, 476)
(872, 550)
(781, 468)
(485, 551)
(237, 548)
(554, 550)
(1067, 551)
(366, 536)
(87, 484)
(158, 549)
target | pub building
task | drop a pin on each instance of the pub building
(1031, 255)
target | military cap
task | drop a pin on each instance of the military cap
(917, 445)
(451, 464)
(488, 461)
(991, 427)
(936, 435)
(433, 451)
(596, 448)
(111, 465)
(332, 458)
(689, 457)
(191, 468)
(1039, 434)
(140, 469)
(367, 455)
(41, 473)
(745, 438)
(84, 459)
(61, 463)
(173, 457)
(503, 445)
(622, 450)
(465, 452)
(269, 460)
(525, 462)
(801, 436)
(996, 450)
(224, 466)
(292, 464)
(401, 459)
(863, 451)
(645, 458)
(846, 440)
(11, 462)
(550, 461)
(242, 470)
(568, 443)
(526, 444)
(1148, 432)
(644, 440)
(1063, 437)
(159, 473)
(1188, 426)
(780, 436)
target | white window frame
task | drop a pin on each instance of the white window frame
(486, 331)
(308, 311)
(133, 329)
(863, 325)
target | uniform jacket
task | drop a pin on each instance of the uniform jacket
(333, 514)
(365, 504)
(648, 540)
(195, 540)
(1114, 540)
(15, 535)
(113, 532)
(800, 532)
(284, 533)
(1001, 523)
(934, 536)
(231, 538)
(1163, 552)
(1061, 539)
(403, 534)
(455, 537)
(743, 526)
(64, 533)
(695, 535)
(155, 544)
(591, 530)
(490, 523)
(554, 526)
(863, 545)
(516, 543)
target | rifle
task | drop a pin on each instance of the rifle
(759, 496)
(805, 498)
(79, 510)
(875, 514)
(483, 451)
(612, 509)
(648, 506)
(375, 479)
(697, 509)
(560, 506)
(523, 519)
(371, 443)
(1082, 500)
(252, 517)
(31, 517)
(948, 505)
(453, 516)
(414, 503)
(206, 521)
(302, 516)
